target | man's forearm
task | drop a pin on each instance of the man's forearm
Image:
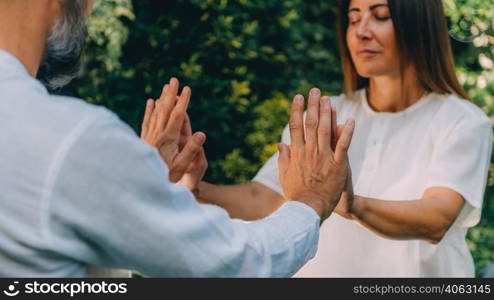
(249, 202)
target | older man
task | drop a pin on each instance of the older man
(79, 188)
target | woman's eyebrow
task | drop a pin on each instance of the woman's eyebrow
(377, 5)
(370, 8)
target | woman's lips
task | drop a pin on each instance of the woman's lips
(367, 53)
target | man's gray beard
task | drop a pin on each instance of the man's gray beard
(64, 48)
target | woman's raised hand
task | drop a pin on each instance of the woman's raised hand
(344, 207)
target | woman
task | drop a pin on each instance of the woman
(419, 156)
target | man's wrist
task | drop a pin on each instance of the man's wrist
(319, 206)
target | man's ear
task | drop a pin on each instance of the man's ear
(54, 9)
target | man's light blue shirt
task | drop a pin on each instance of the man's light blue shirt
(78, 188)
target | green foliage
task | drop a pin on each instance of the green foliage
(244, 60)
(234, 54)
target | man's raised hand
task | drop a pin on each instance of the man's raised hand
(163, 128)
(310, 170)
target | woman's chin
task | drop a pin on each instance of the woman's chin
(369, 72)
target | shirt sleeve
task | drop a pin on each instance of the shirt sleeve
(111, 204)
(460, 161)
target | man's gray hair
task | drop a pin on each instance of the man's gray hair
(65, 45)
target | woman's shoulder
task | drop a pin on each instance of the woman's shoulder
(455, 113)
(455, 108)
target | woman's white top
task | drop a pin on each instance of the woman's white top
(440, 141)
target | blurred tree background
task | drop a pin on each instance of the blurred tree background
(244, 60)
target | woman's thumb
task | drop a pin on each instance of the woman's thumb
(284, 157)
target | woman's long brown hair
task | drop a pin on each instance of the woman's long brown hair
(423, 42)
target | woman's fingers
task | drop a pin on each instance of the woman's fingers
(297, 124)
(147, 118)
(312, 122)
(344, 141)
(183, 160)
(187, 127)
(334, 127)
(185, 133)
(324, 131)
(283, 158)
(339, 131)
(200, 162)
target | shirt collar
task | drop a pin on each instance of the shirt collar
(10, 66)
(9, 63)
(415, 106)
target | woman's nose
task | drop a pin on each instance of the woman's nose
(363, 30)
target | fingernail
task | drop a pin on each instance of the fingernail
(325, 100)
(150, 102)
(186, 90)
(173, 82)
(199, 138)
(315, 92)
(298, 99)
(351, 123)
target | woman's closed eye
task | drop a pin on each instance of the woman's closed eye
(382, 13)
(382, 18)
(353, 18)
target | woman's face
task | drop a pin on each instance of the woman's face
(371, 38)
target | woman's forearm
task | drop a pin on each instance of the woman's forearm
(252, 201)
(418, 219)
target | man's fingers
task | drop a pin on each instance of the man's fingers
(147, 117)
(324, 131)
(178, 116)
(181, 163)
(312, 121)
(163, 92)
(166, 103)
(344, 141)
(297, 123)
